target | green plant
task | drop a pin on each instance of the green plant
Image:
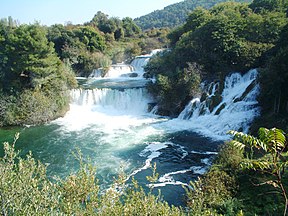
(212, 193)
(271, 159)
(26, 190)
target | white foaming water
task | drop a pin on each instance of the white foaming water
(111, 109)
(115, 70)
(151, 152)
(120, 121)
(139, 63)
(134, 69)
(236, 110)
(127, 101)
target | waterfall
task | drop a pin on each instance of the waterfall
(134, 69)
(129, 101)
(233, 109)
(115, 70)
(139, 63)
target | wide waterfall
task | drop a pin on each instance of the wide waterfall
(111, 123)
(130, 101)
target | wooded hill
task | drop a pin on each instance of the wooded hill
(175, 14)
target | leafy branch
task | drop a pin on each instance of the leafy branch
(273, 145)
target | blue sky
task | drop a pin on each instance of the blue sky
(49, 12)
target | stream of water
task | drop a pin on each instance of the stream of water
(110, 123)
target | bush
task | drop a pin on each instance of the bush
(26, 190)
(212, 194)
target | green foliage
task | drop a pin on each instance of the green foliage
(228, 37)
(130, 27)
(174, 90)
(248, 177)
(229, 157)
(272, 163)
(34, 82)
(273, 79)
(261, 6)
(91, 38)
(175, 14)
(114, 26)
(81, 46)
(26, 190)
(212, 194)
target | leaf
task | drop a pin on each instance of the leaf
(237, 144)
(274, 138)
(255, 164)
(248, 140)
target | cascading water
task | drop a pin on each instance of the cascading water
(139, 63)
(135, 69)
(234, 109)
(127, 100)
(110, 123)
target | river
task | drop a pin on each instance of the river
(110, 124)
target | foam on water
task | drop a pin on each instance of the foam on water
(237, 109)
(119, 121)
(135, 68)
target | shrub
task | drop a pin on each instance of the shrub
(26, 190)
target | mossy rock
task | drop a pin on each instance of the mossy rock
(203, 97)
(202, 109)
(151, 106)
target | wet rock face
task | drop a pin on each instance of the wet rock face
(213, 101)
(246, 92)
(225, 105)
(218, 111)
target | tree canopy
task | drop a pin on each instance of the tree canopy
(33, 80)
(176, 14)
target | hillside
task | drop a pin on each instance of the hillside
(175, 14)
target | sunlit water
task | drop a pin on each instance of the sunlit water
(110, 124)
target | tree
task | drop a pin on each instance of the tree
(130, 27)
(272, 146)
(269, 5)
(91, 38)
(29, 60)
(34, 82)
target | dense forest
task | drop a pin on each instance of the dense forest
(37, 69)
(175, 14)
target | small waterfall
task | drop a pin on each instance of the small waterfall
(135, 69)
(139, 63)
(233, 109)
(115, 70)
(130, 101)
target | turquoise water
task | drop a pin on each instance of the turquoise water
(114, 131)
